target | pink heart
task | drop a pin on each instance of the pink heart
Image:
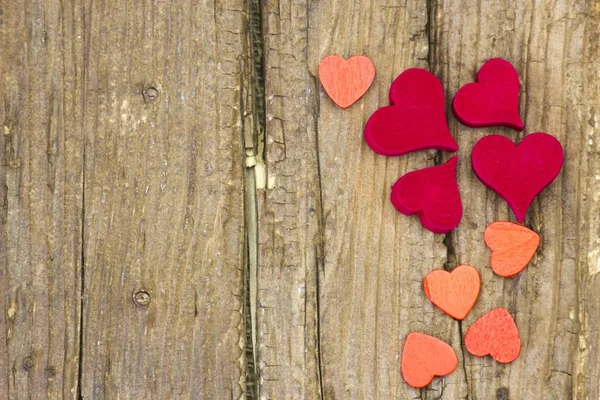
(517, 172)
(416, 120)
(432, 193)
(493, 99)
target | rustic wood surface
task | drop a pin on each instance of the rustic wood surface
(186, 214)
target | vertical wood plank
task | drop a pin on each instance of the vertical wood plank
(41, 164)
(288, 212)
(331, 243)
(553, 44)
(164, 199)
(375, 258)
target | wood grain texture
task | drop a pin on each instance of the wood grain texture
(41, 164)
(554, 46)
(288, 210)
(331, 241)
(125, 127)
(163, 200)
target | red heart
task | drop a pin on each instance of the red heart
(425, 357)
(453, 292)
(493, 99)
(495, 334)
(517, 172)
(433, 194)
(416, 120)
(345, 81)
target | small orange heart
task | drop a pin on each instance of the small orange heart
(425, 357)
(345, 81)
(453, 292)
(496, 334)
(512, 245)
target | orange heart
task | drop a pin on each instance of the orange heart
(345, 81)
(425, 357)
(512, 245)
(496, 334)
(453, 292)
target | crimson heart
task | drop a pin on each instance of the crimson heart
(495, 334)
(493, 99)
(517, 172)
(432, 193)
(416, 120)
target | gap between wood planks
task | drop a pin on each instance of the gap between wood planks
(254, 148)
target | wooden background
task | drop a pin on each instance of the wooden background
(185, 213)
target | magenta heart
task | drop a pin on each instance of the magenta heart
(517, 172)
(493, 100)
(416, 120)
(432, 193)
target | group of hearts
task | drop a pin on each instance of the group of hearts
(416, 120)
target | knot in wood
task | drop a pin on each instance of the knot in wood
(502, 393)
(141, 298)
(150, 93)
(28, 364)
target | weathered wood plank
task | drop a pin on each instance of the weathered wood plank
(554, 45)
(325, 208)
(163, 199)
(288, 212)
(375, 258)
(134, 116)
(41, 164)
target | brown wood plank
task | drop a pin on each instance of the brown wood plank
(288, 212)
(41, 164)
(163, 228)
(375, 258)
(325, 208)
(554, 46)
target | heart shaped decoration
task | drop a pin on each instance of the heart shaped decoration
(512, 245)
(493, 99)
(517, 172)
(345, 81)
(416, 120)
(453, 292)
(425, 357)
(495, 334)
(432, 193)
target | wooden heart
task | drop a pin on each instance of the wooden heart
(495, 334)
(425, 357)
(345, 81)
(517, 172)
(416, 120)
(493, 99)
(432, 193)
(453, 292)
(512, 246)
